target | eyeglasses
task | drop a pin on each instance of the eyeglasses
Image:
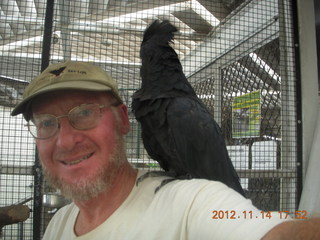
(83, 117)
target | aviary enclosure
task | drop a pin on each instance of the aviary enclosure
(239, 56)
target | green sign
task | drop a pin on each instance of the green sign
(246, 115)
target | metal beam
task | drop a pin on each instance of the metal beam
(279, 173)
(60, 58)
(113, 25)
(16, 170)
(230, 34)
(288, 107)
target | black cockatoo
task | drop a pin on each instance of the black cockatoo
(178, 131)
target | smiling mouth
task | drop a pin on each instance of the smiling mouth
(78, 160)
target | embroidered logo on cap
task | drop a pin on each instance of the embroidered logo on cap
(57, 72)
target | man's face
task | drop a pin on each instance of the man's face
(82, 163)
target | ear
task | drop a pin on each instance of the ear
(124, 119)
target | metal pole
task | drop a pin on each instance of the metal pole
(38, 177)
(47, 34)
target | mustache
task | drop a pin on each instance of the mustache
(76, 150)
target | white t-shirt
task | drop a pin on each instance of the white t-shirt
(183, 209)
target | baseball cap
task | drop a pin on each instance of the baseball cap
(67, 75)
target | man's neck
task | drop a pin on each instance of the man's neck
(95, 211)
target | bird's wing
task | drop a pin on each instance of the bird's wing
(156, 140)
(199, 142)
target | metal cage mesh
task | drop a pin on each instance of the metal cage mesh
(238, 55)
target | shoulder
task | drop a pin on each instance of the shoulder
(152, 184)
(186, 189)
(199, 188)
(212, 209)
(194, 195)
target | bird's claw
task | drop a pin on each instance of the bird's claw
(150, 174)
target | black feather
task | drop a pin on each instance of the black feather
(178, 131)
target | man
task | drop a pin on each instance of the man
(79, 121)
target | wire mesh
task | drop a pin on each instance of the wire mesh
(238, 55)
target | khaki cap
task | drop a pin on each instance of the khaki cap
(67, 75)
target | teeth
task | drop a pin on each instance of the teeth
(79, 160)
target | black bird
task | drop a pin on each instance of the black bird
(57, 72)
(178, 131)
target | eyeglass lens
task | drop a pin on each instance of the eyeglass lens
(83, 117)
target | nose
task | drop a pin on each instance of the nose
(67, 136)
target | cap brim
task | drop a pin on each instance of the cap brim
(76, 85)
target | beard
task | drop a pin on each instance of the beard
(91, 186)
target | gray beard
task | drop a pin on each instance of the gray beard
(86, 189)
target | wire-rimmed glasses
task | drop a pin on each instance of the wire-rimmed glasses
(82, 117)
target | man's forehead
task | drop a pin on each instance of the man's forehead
(68, 97)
